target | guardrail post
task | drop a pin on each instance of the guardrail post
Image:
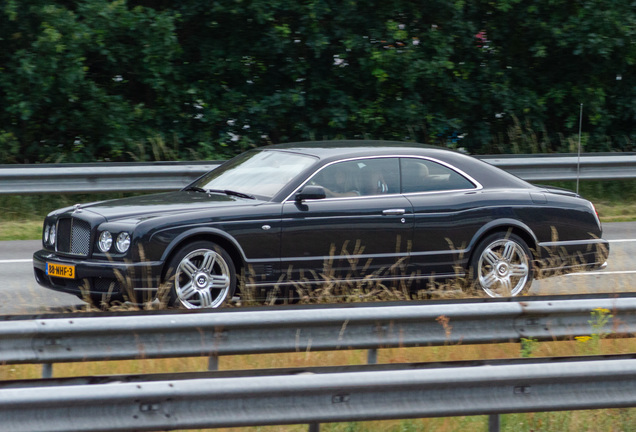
(493, 423)
(47, 370)
(213, 362)
(314, 427)
(372, 356)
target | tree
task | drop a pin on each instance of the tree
(132, 80)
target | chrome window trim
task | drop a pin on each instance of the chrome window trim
(478, 186)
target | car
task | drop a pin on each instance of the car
(305, 214)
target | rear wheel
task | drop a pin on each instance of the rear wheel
(201, 275)
(502, 265)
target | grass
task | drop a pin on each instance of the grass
(20, 230)
(615, 200)
(21, 216)
(616, 212)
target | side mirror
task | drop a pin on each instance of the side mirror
(311, 192)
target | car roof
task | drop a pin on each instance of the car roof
(340, 148)
(488, 175)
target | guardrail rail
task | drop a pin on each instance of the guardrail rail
(297, 329)
(179, 401)
(318, 396)
(163, 176)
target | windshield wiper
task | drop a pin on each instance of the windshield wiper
(195, 189)
(231, 192)
(222, 191)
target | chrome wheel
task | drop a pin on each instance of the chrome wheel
(203, 279)
(504, 266)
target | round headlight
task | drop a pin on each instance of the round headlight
(52, 235)
(123, 242)
(47, 231)
(105, 241)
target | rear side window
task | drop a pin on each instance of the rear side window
(422, 175)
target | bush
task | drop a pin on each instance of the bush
(98, 80)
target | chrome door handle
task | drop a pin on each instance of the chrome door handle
(396, 212)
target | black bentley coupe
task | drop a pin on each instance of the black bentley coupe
(307, 213)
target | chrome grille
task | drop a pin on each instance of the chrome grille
(73, 236)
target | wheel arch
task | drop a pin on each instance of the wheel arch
(504, 225)
(221, 238)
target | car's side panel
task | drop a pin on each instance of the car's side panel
(456, 214)
(254, 235)
(346, 237)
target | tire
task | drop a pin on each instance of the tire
(202, 275)
(502, 265)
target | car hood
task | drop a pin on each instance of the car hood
(148, 206)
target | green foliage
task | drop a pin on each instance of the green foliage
(118, 80)
(528, 347)
(591, 345)
(84, 82)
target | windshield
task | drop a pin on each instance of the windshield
(259, 173)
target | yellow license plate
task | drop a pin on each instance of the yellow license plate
(60, 270)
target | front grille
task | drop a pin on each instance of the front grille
(73, 236)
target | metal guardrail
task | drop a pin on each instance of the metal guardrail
(330, 397)
(162, 176)
(297, 396)
(567, 167)
(100, 177)
(325, 397)
(229, 332)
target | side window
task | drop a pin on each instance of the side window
(339, 179)
(421, 175)
(379, 176)
(361, 177)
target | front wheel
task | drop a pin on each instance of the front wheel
(502, 265)
(201, 275)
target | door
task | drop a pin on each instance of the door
(445, 216)
(361, 229)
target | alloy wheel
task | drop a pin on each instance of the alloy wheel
(202, 279)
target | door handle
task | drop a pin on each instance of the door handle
(395, 212)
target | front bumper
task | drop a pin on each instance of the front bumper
(95, 278)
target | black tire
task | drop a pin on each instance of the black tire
(502, 265)
(201, 275)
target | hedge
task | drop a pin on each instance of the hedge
(98, 80)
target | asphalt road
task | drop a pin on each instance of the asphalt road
(20, 294)
(618, 276)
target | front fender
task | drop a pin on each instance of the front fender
(192, 233)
